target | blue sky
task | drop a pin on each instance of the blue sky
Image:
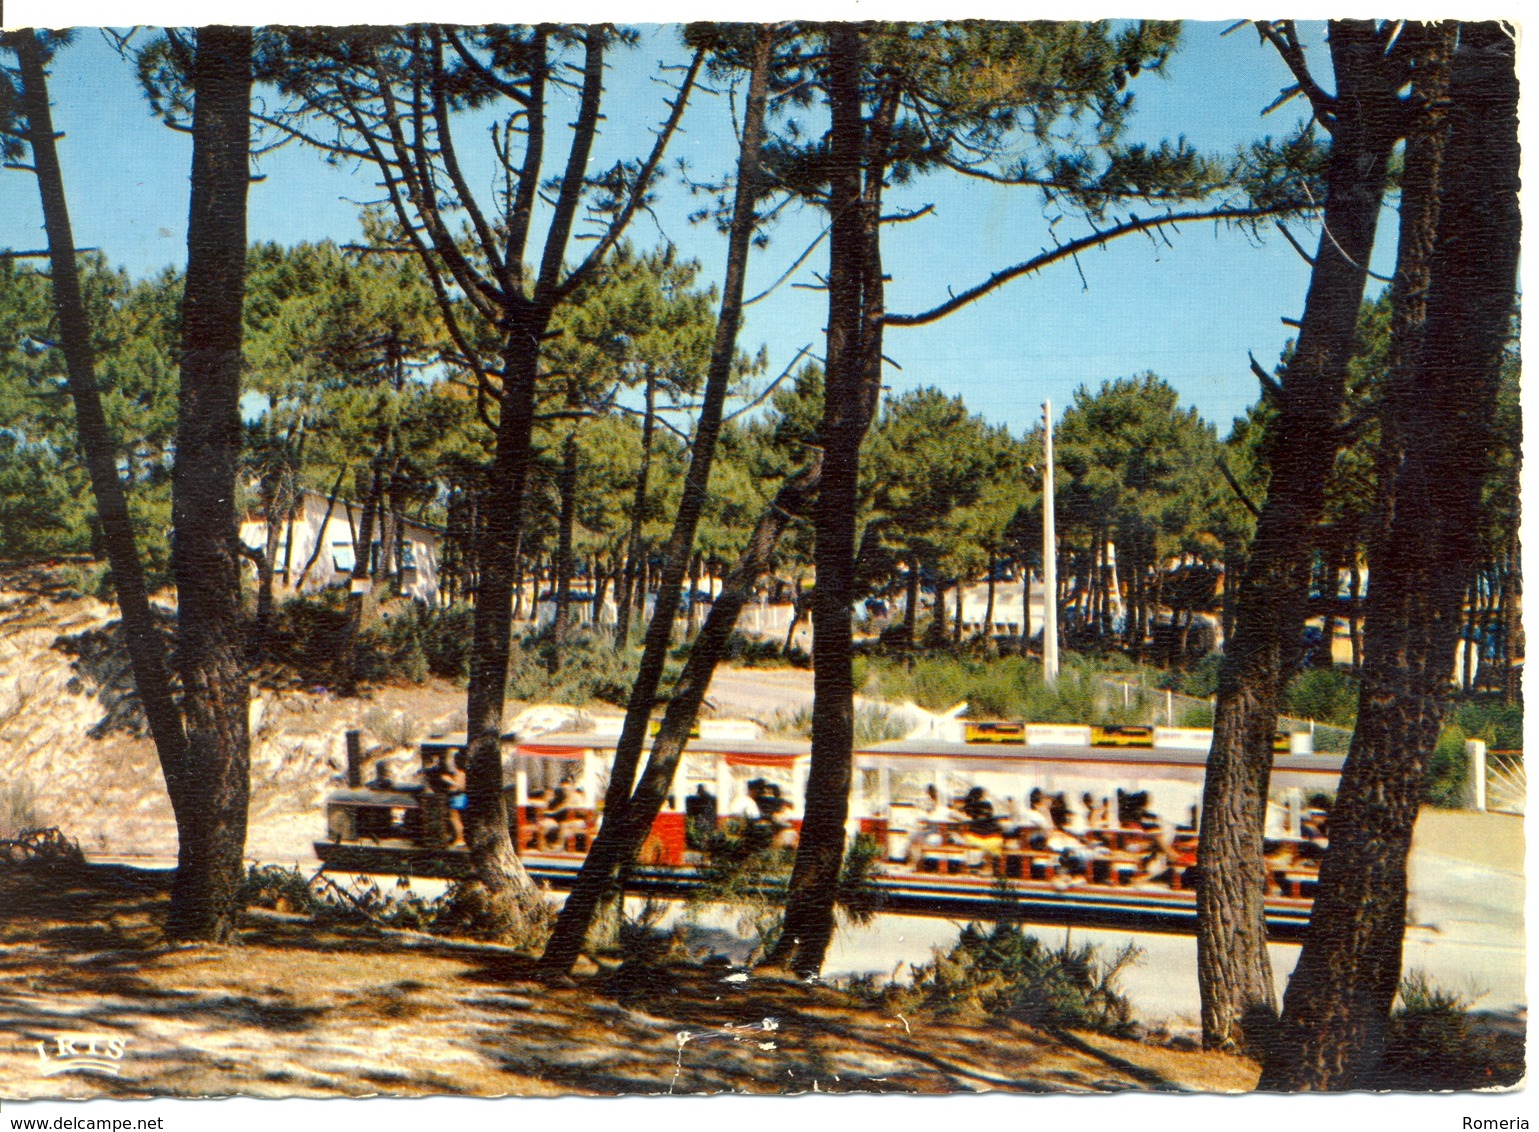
(1190, 312)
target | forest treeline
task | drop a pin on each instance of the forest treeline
(509, 361)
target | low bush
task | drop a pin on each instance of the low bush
(460, 911)
(874, 723)
(18, 809)
(743, 872)
(1007, 687)
(1326, 695)
(48, 848)
(1434, 1042)
(395, 729)
(747, 650)
(591, 669)
(1002, 972)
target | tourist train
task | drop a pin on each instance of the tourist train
(1038, 822)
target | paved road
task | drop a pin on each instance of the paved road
(1465, 930)
(760, 692)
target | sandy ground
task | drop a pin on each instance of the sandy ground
(316, 1012)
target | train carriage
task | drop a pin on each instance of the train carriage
(927, 864)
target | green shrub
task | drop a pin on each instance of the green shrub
(591, 669)
(1008, 687)
(446, 639)
(307, 633)
(281, 889)
(743, 873)
(1196, 715)
(1447, 770)
(1435, 1043)
(1499, 726)
(1002, 972)
(877, 724)
(1202, 679)
(18, 809)
(395, 729)
(1326, 695)
(746, 649)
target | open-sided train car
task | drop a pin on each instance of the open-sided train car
(404, 829)
(928, 865)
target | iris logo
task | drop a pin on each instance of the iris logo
(80, 1053)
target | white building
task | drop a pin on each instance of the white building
(326, 543)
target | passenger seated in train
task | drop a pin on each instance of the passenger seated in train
(1133, 809)
(565, 817)
(771, 825)
(444, 777)
(699, 817)
(982, 830)
(929, 805)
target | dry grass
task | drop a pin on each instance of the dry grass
(302, 1010)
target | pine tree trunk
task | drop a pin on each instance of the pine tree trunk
(1234, 971)
(1512, 621)
(987, 631)
(692, 622)
(911, 609)
(320, 534)
(596, 882)
(205, 558)
(1439, 405)
(1328, 583)
(357, 598)
(273, 500)
(496, 868)
(1355, 628)
(567, 488)
(1025, 609)
(592, 899)
(796, 618)
(853, 385)
(145, 645)
(633, 547)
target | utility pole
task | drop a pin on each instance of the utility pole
(1049, 557)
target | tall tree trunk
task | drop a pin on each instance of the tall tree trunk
(692, 618)
(796, 619)
(496, 867)
(601, 580)
(1512, 621)
(935, 636)
(1355, 627)
(1437, 421)
(621, 837)
(205, 554)
(956, 622)
(987, 631)
(146, 648)
(1234, 972)
(911, 607)
(275, 501)
(320, 534)
(566, 486)
(633, 547)
(1025, 609)
(518, 583)
(596, 883)
(1329, 575)
(363, 568)
(852, 387)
